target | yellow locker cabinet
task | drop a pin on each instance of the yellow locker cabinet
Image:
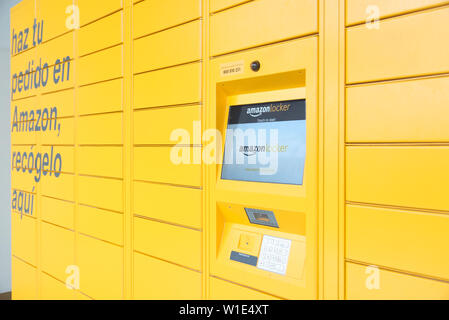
(229, 149)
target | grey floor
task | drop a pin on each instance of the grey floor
(5, 296)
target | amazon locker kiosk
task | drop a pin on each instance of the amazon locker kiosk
(264, 213)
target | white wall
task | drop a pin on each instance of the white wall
(5, 129)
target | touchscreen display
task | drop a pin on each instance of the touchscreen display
(266, 142)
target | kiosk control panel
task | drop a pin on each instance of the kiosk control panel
(264, 209)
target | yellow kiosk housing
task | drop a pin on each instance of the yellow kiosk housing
(230, 149)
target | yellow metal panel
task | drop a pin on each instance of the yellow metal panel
(100, 129)
(24, 105)
(22, 17)
(217, 5)
(67, 155)
(100, 98)
(52, 289)
(63, 135)
(401, 176)
(23, 181)
(357, 10)
(178, 85)
(64, 101)
(100, 66)
(23, 137)
(53, 13)
(67, 69)
(168, 242)
(392, 285)
(61, 187)
(101, 224)
(392, 51)
(155, 164)
(101, 267)
(101, 34)
(93, 10)
(24, 280)
(408, 111)
(154, 15)
(26, 60)
(109, 157)
(57, 250)
(224, 290)
(156, 279)
(187, 37)
(405, 240)
(186, 210)
(57, 49)
(23, 163)
(23, 239)
(101, 193)
(157, 125)
(58, 212)
(261, 22)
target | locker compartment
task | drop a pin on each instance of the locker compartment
(65, 74)
(409, 111)
(18, 94)
(59, 48)
(93, 10)
(101, 266)
(101, 224)
(67, 159)
(57, 250)
(20, 159)
(20, 62)
(402, 47)
(357, 10)
(100, 129)
(20, 16)
(162, 49)
(109, 157)
(61, 187)
(23, 237)
(64, 101)
(392, 286)
(224, 290)
(100, 97)
(400, 176)
(177, 85)
(168, 242)
(24, 105)
(101, 193)
(186, 210)
(23, 181)
(157, 125)
(23, 137)
(24, 280)
(156, 279)
(217, 5)
(100, 34)
(262, 22)
(24, 203)
(63, 134)
(400, 239)
(54, 15)
(154, 15)
(52, 289)
(154, 164)
(58, 212)
(100, 66)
